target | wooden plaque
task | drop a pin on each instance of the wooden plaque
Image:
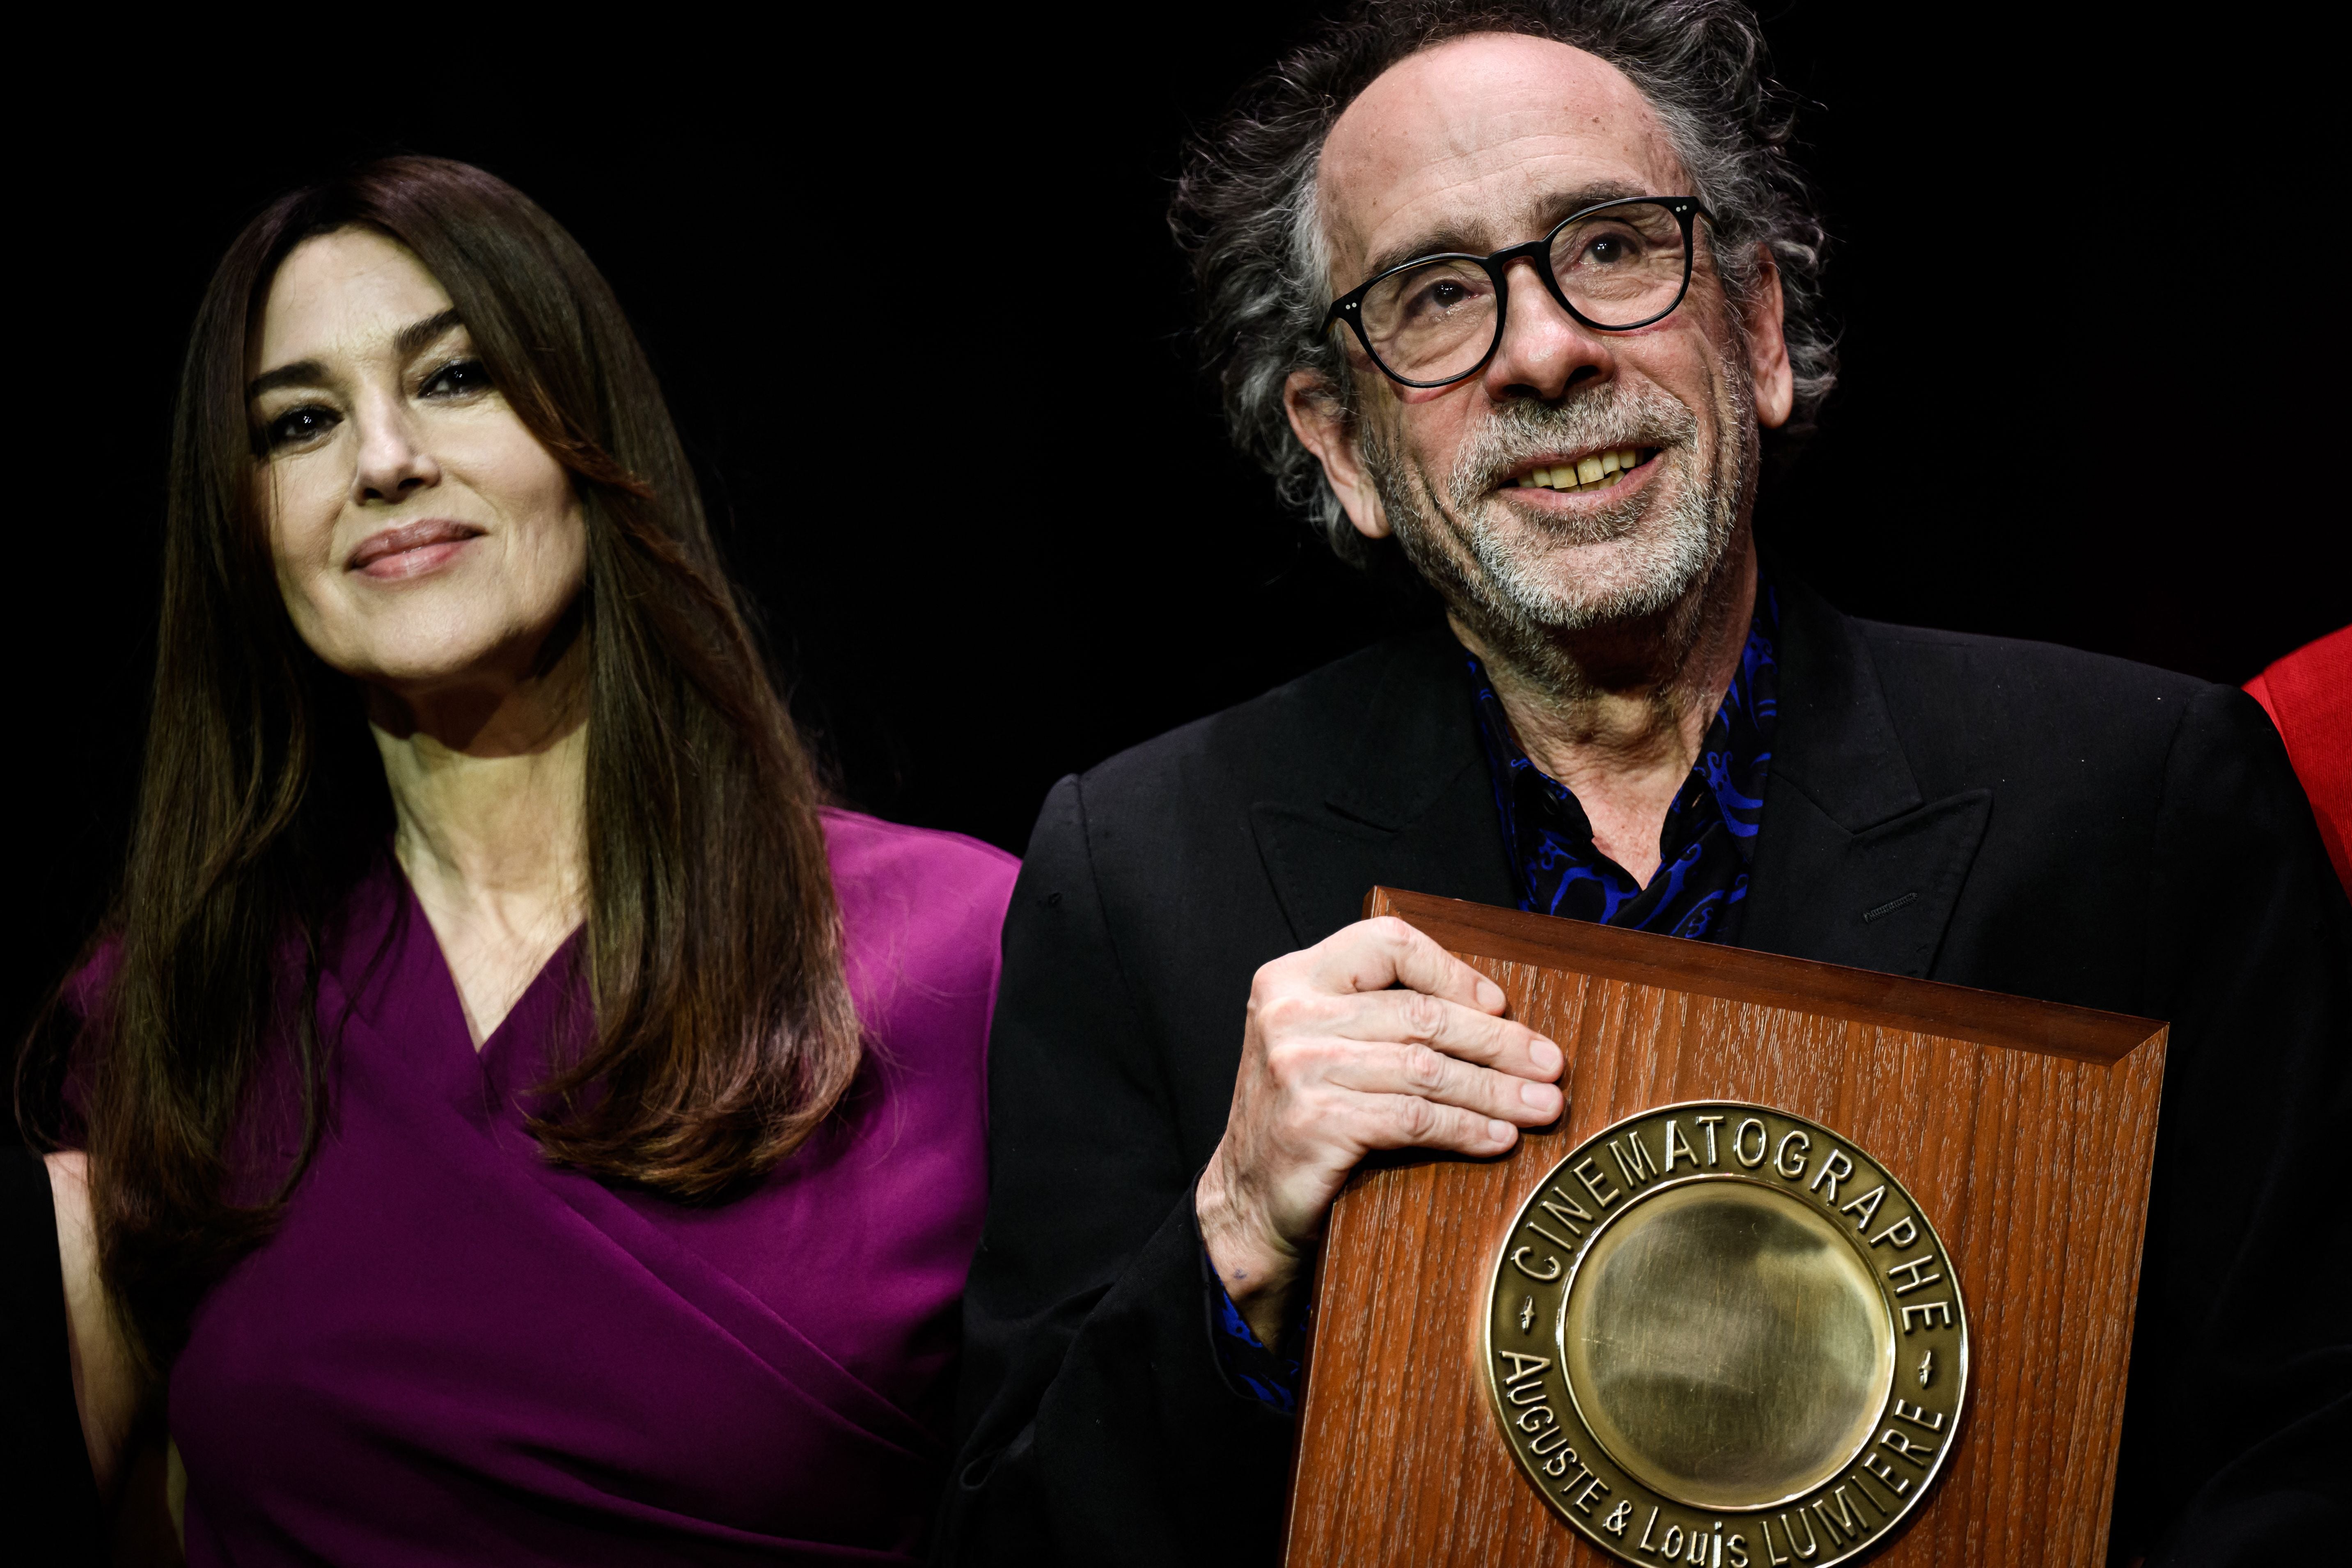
(2025, 1130)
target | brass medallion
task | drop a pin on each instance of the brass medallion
(1723, 1335)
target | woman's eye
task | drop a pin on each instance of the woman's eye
(298, 425)
(458, 379)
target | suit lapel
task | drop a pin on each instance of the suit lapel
(1851, 866)
(1411, 806)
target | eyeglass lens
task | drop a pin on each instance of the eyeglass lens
(1436, 319)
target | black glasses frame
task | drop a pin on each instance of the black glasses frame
(1350, 307)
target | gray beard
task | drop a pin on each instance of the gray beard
(1509, 578)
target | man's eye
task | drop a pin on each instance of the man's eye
(458, 379)
(298, 425)
(1610, 251)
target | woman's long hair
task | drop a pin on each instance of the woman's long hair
(724, 1032)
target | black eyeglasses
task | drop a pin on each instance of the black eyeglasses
(1614, 267)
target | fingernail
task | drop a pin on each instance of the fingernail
(1548, 1056)
(1490, 995)
(1536, 1096)
(1500, 1132)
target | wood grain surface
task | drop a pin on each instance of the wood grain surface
(2024, 1130)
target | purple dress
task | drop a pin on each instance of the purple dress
(453, 1354)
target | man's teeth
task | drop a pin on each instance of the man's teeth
(1596, 472)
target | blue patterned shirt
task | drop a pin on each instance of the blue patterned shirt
(1709, 835)
(1265, 1374)
(1704, 851)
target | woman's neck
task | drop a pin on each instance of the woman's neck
(488, 785)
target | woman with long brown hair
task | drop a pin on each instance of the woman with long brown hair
(507, 1117)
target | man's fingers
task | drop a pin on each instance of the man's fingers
(1374, 954)
(1412, 1018)
(1408, 1121)
(1427, 1074)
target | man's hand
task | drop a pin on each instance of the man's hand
(1335, 1064)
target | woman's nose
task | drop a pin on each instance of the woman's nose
(393, 462)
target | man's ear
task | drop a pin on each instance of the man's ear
(1323, 428)
(1768, 349)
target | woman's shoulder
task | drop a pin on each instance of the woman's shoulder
(867, 853)
(917, 903)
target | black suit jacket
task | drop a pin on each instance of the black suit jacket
(2003, 814)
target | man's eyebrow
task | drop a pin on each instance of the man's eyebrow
(1454, 240)
(407, 342)
(1431, 242)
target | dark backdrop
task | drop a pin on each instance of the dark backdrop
(909, 288)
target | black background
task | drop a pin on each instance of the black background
(907, 282)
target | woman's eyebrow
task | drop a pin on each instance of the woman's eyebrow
(407, 343)
(301, 373)
(416, 337)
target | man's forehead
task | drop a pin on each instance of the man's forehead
(1478, 136)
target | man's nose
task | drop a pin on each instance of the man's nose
(1544, 350)
(393, 459)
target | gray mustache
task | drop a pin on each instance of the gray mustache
(1516, 433)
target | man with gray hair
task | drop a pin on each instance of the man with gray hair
(1515, 293)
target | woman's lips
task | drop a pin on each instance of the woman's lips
(411, 548)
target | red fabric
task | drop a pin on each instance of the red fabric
(2308, 695)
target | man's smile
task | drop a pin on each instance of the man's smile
(1593, 471)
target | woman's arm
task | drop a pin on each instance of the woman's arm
(106, 1381)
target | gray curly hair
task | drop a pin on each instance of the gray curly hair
(1245, 209)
